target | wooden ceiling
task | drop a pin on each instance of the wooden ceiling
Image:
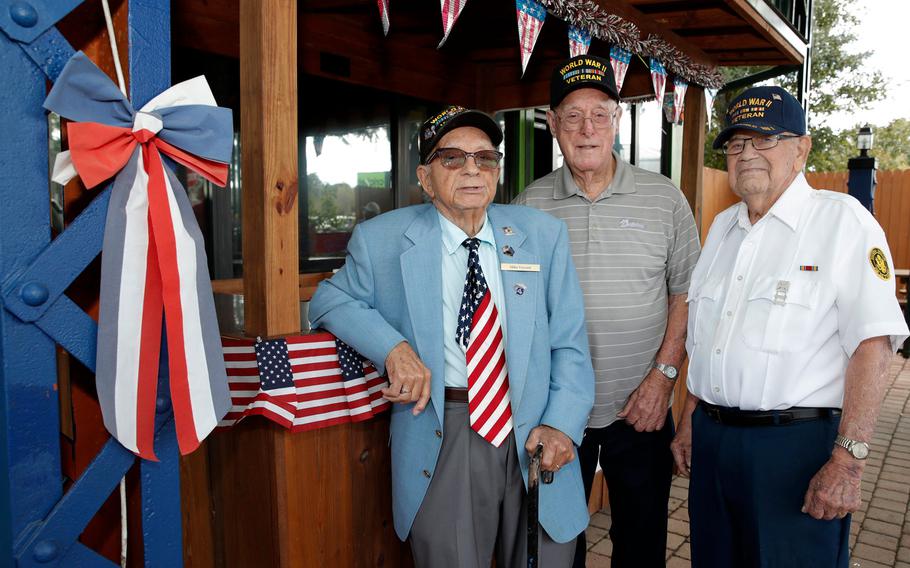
(479, 64)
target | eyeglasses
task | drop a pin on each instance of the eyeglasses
(737, 145)
(455, 158)
(575, 120)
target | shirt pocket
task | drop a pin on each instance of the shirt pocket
(703, 301)
(778, 316)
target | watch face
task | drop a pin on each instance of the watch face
(668, 370)
(860, 450)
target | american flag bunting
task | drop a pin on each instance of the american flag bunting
(330, 383)
(384, 15)
(679, 99)
(579, 41)
(451, 9)
(531, 15)
(620, 59)
(658, 79)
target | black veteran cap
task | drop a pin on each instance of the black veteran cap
(768, 110)
(582, 72)
(451, 118)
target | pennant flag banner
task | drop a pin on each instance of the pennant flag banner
(451, 9)
(579, 41)
(620, 59)
(384, 15)
(679, 99)
(303, 382)
(658, 79)
(667, 106)
(531, 15)
(153, 258)
(710, 96)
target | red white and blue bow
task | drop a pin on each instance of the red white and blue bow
(153, 259)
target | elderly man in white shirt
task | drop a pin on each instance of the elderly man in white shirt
(792, 322)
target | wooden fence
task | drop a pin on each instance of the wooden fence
(892, 204)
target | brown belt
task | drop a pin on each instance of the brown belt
(454, 394)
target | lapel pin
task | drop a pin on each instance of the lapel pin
(508, 251)
(520, 288)
(508, 231)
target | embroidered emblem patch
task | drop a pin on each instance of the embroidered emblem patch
(879, 263)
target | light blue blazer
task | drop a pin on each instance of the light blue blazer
(390, 290)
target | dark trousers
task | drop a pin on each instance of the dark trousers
(638, 467)
(746, 491)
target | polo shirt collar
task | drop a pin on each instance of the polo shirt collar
(623, 182)
(453, 236)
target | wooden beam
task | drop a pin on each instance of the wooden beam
(268, 94)
(763, 18)
(693, 147)
(647, 26)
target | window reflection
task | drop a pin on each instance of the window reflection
(348, 180)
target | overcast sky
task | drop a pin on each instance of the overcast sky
(882, 31)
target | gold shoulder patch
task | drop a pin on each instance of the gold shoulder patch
(879, 263)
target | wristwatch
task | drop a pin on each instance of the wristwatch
(857, 449)
(669, 371)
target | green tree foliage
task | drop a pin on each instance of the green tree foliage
(839, 81)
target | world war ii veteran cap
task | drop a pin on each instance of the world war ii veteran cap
(451, 118)
(582, 72)
(767, 110)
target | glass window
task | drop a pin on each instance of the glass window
(348, 180)
(650, 122)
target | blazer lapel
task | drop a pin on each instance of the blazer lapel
(421, 271)
(522, 292)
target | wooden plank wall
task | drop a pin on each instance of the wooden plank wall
(892, 204)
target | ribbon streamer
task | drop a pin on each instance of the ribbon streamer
(153, 256)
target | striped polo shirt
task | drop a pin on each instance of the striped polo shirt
(632, 246)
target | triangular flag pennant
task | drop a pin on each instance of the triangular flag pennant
(620, 59)
(710, 96)
(679, 99)
(579, 41)
(531, 15)
(658, 79)
(451, 9)
(384, 15)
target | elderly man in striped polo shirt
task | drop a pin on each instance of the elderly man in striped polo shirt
(634, 244)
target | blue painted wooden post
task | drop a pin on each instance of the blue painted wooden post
(150, 73)
(38, 525)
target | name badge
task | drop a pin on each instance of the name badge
(519, 267)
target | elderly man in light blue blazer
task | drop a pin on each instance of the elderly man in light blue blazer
(475, 313)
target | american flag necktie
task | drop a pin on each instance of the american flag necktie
(480, 334)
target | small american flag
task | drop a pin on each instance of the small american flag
(450, 9)
(330, 383)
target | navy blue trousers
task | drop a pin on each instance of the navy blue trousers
(746, 491)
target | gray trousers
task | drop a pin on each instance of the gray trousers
(475, 506)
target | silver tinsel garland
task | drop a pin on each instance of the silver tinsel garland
(615, 30)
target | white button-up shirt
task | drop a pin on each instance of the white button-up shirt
(454, 271)
(776, 309)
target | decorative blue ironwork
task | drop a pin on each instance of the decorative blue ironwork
(24, 20)
(38, 524)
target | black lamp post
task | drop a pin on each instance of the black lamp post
(861, 183)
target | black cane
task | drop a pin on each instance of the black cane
(534, 478)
